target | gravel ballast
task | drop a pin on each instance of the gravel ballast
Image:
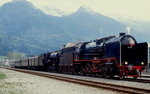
(112, 81)
(22, 83)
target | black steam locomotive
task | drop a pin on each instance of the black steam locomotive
(105, 57)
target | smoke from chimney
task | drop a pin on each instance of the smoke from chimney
(128, 30)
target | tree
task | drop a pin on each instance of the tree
(15, 55)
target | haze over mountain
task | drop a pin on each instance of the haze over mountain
(140, 29)
(26, 29)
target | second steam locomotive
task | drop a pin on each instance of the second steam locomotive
(105, 57)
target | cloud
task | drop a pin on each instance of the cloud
(4, 1)
(135, 8)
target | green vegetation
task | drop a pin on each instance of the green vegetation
(3, 57)
(11, 88)
(15, 55)
(2, 76)
(13, 92)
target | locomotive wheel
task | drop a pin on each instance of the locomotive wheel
(99, 75)
(82, 71)
(107, 72)
(134, 78)
(87, 68)
(136, 73)
(103, 75)
(48, 69)
(121, 75)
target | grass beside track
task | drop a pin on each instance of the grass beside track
(2, 75)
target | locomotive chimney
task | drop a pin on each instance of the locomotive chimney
(122, 34)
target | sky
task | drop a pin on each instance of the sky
(137, 9)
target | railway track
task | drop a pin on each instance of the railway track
(134, 80)
(139, 80)
(146, 76)
(108, 86)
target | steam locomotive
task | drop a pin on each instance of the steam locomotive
(105, 57)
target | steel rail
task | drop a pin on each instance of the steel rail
(139, 80)
(133, 80)
(146, 76)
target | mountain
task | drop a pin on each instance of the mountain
(26, 29)
(85, 22)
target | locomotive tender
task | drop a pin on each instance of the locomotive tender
(105, 57)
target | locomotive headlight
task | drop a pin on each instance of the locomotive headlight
(126, 63)
(142, 63)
